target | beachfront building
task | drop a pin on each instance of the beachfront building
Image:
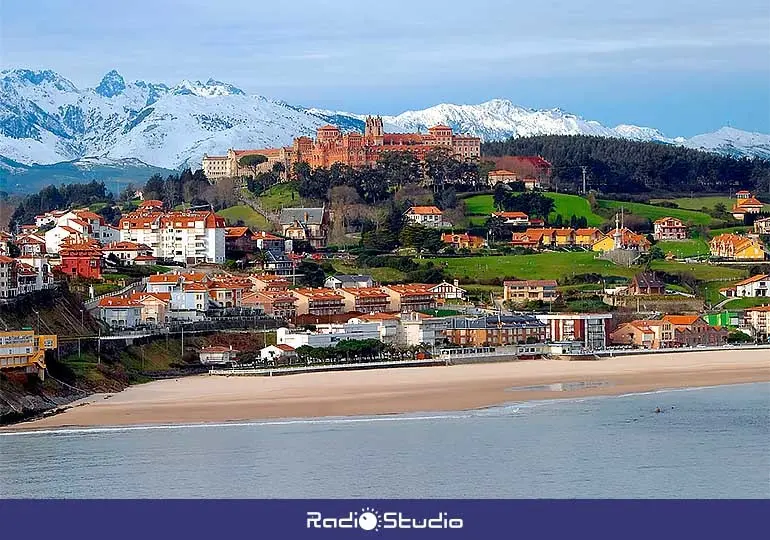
(278, 354)
(426, 216)
(692, 331)
(519, 292)
(736, 247)
(364, 299)
(644, 334)
(757, 321)
(589, 330)
(410, 297)
(463, 241)
(24, 351)
(217, 354)
(349, 281)
(757, 286)
(669, 228)
(407, 329)
(306, 224)
(327, 335)
(495, 331)
(320, 301)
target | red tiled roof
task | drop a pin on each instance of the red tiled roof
(425, 210)
(118, 301)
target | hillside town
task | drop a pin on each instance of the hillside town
(150, 266)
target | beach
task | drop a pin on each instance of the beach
(207, 398)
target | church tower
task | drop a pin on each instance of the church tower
(374, 130)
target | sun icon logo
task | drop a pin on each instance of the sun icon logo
(369, 520)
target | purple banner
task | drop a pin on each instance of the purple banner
(340, 519)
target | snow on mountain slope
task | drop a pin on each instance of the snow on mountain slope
(734, 142)
(177, 130)
(45, 119)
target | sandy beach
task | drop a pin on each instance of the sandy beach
(218, 399)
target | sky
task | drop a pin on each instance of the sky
(682, 66)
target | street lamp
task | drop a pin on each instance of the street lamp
(82, 323)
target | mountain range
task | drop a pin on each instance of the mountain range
(45, 120)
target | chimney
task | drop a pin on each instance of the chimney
(306, 216)
(456, 283)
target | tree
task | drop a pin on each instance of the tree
(310, 274)
(252, 162)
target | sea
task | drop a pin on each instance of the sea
(704, 443)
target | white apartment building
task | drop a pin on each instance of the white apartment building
(186, 237)
(754, 287)
(76, 226)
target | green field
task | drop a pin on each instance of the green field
(560, 265)
(685, 248)
(696, 203)
(740, 229)
(655, 212)
(280, 196)
(246, 214)
(742, 303)
(566, 205)
(382, 274)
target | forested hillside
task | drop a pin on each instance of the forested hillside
(623, 166)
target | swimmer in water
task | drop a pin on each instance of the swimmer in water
(657, 410)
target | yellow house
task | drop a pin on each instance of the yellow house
(736, 247)
(627, 238)
(564, 237)
(587, 237)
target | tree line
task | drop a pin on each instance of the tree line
(625, 166)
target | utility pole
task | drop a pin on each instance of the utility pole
(99, 347)
(182, 341)
(584, 169)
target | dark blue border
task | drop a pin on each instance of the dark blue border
(257, 519)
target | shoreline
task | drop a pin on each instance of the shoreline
(218, 399)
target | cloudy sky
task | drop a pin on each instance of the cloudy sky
(682, 66)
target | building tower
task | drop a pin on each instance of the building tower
(373, 129)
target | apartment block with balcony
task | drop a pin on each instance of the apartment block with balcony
(319, 301)
(365, 299)
(410, 297)
(520, 292)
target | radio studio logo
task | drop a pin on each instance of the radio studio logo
(370, 519)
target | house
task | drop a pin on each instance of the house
(306, 224)
(745, 203)
(754, 287)
(238, 242)
(31, 245)
(278, 353)
(427, 216)
(348, 281)
(410, 297)
(448, 291)
(82, 260)
(762, 226)
(120, 311)
(522, 291)
(269, 242)
(23, 350)
(757, 320)
(276, 262)
(692, 330)
(155, 306)
(530, 239)
(364, 299)
(327, 335)
(463, 241)
(60, 234)
(320, 301)
(127, 252)
(736, 247)
(519, 219)
(587, 237)
(278, 304)
(622, 238)
(214, 355)
(669, 228)
(590, 330)
(495, 331)
(645, 334)
(646, 283)
(226, 293)
(7, 277)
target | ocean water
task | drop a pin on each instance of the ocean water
(708, 442)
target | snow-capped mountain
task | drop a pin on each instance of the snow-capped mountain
(45, 119)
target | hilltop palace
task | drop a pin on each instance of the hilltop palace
(332, 146)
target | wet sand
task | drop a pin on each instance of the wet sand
(207, 398)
